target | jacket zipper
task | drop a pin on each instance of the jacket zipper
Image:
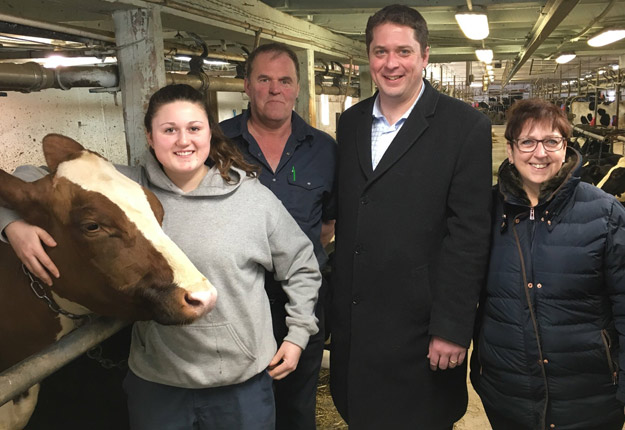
(605, 337)
(532, 213)
(533, 319)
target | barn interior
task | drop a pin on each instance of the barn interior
(71, 61)
(86, 68)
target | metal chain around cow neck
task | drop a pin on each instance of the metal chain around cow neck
(40, 292)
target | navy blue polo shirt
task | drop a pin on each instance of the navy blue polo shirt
(304, 178)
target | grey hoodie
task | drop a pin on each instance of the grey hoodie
(232, 232)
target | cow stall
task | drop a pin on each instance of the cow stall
(602, 149)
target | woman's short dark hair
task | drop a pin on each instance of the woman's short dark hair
(535, 111)
(222, 152)
(275, 48)
(401, 15)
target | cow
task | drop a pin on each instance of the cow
(112, 254)
(614, 181)
(583, 113)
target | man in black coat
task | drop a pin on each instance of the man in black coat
(412, 239)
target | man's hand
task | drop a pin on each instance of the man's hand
(285, 361)
(444, 354)
(26, 240)
(327, 232)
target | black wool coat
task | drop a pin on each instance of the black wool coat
(411, 252)
(553, 312)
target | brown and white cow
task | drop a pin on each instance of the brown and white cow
(112, 254)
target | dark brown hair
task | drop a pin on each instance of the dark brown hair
(275, 48)
(535, 111)
(223, 152)
(401, 15)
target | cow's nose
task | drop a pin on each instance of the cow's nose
(201, 302)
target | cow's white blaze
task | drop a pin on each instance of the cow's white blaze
(131, 199)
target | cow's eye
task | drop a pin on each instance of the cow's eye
(90, 227)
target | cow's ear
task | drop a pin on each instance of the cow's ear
(58, 148)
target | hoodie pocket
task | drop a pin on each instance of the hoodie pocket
(213, 354)
(612, 365)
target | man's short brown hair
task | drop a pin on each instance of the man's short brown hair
(401, 15)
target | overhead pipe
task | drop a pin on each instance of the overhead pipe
(34, 77)
(31, 76)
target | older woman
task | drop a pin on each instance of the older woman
(553, 311)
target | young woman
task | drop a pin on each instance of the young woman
(217, 372)
(546, 354)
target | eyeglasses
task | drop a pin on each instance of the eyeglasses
(551, 144)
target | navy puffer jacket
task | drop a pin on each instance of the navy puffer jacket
(546, 352)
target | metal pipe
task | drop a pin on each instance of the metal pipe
(210, 83)
(593, 135)
(34, 77)
(25, 374)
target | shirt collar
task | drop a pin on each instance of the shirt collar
(377, 113)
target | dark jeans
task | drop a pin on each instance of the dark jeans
(296, 395)
(245, 406)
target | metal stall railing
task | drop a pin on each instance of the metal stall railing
(32, 370)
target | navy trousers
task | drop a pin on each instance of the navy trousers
(245, 406)
(296, 395)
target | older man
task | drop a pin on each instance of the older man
(297, 163)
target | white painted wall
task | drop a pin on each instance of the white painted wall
(91, 119)
(231, 104)
(94, 120)
(335, 104)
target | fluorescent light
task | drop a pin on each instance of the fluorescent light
(606, 37)
(348, 102)
(216, 63)
(476, 84)
(55, 61)
(615, 66)
(484, 55)
(473, 24)
(565, 57)
(325, 110)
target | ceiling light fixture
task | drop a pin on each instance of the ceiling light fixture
(473, 23)
(54, 61)
(565, 57)
(484, 55)
(607, 36)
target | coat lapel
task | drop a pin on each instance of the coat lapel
(363, 137)
(409, 133)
